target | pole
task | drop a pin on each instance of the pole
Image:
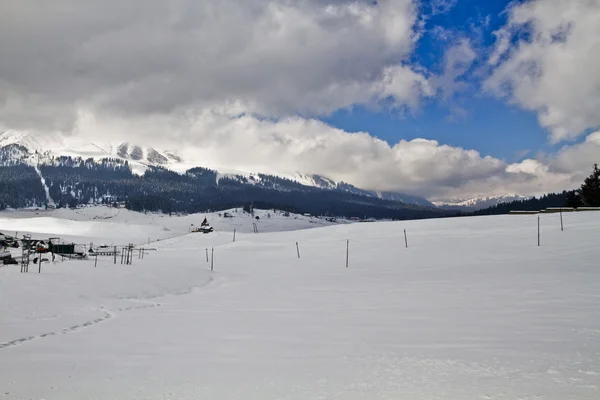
(207, 255)
(122, 255)
(212, 258)
(298, 249)
(96, 261)
(561, 221)
(40, 265)
(234, 235)
(347, 251)
(115, 255)
(538, 230)
(405, 239)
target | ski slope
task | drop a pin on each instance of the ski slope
(472, 309)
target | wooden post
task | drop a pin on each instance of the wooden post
(40, 265)
(212, 259)
(143, 251)
(207, 254)
(347, 251)
(298, 249)
(96, 262)
(115, 255)
(561, 221)
(122, 255)
(234, 235)
(405, 239)
(538, 230)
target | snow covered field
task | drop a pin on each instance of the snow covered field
(473, 309)
(120, 226)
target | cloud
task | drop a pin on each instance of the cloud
(241, 84)
(224, 139)
(458, 59)
(546, 60)
(442, 6)
(273, 58)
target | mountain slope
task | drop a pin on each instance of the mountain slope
(34, 148)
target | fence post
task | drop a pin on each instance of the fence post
(347, 251)
(115, 254)
(298, 249)
(40, 265)
(561, 221)
(207, 254)
(234, 235)
(212, 258)
(405, 239)
(96, 261)
(538, 230)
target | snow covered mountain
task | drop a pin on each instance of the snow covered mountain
(34, 148)
(478, 203)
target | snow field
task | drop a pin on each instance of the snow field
(110, 226)
(473, 309)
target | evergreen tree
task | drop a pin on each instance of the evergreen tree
(573, 200)
(590, 190)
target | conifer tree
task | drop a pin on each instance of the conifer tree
(590, 190)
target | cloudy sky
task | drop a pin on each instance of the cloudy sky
(440, 98)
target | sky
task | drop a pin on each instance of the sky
(447, 99)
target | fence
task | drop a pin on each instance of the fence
(126, 253)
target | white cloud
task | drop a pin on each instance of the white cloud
(553, 67)
(222, 139)
(442, 6)
(274, 58)
(457, 60)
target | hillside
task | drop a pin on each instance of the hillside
(33, 148)
(34, 180)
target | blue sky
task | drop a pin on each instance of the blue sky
(489, 125)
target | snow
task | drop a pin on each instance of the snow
(46, 189)
(472, 309)
(118, 225)
(57, 144)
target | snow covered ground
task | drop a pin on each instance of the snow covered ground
(111, 226)
(473, 309)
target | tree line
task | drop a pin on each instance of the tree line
(588, 195)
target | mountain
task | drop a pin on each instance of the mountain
(43, 170)
(35, 148)
(529, 204)
(478, 203)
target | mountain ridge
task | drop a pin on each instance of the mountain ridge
(478, 203)
(42, 148)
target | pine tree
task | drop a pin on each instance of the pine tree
(573, 200)
(590, 190)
